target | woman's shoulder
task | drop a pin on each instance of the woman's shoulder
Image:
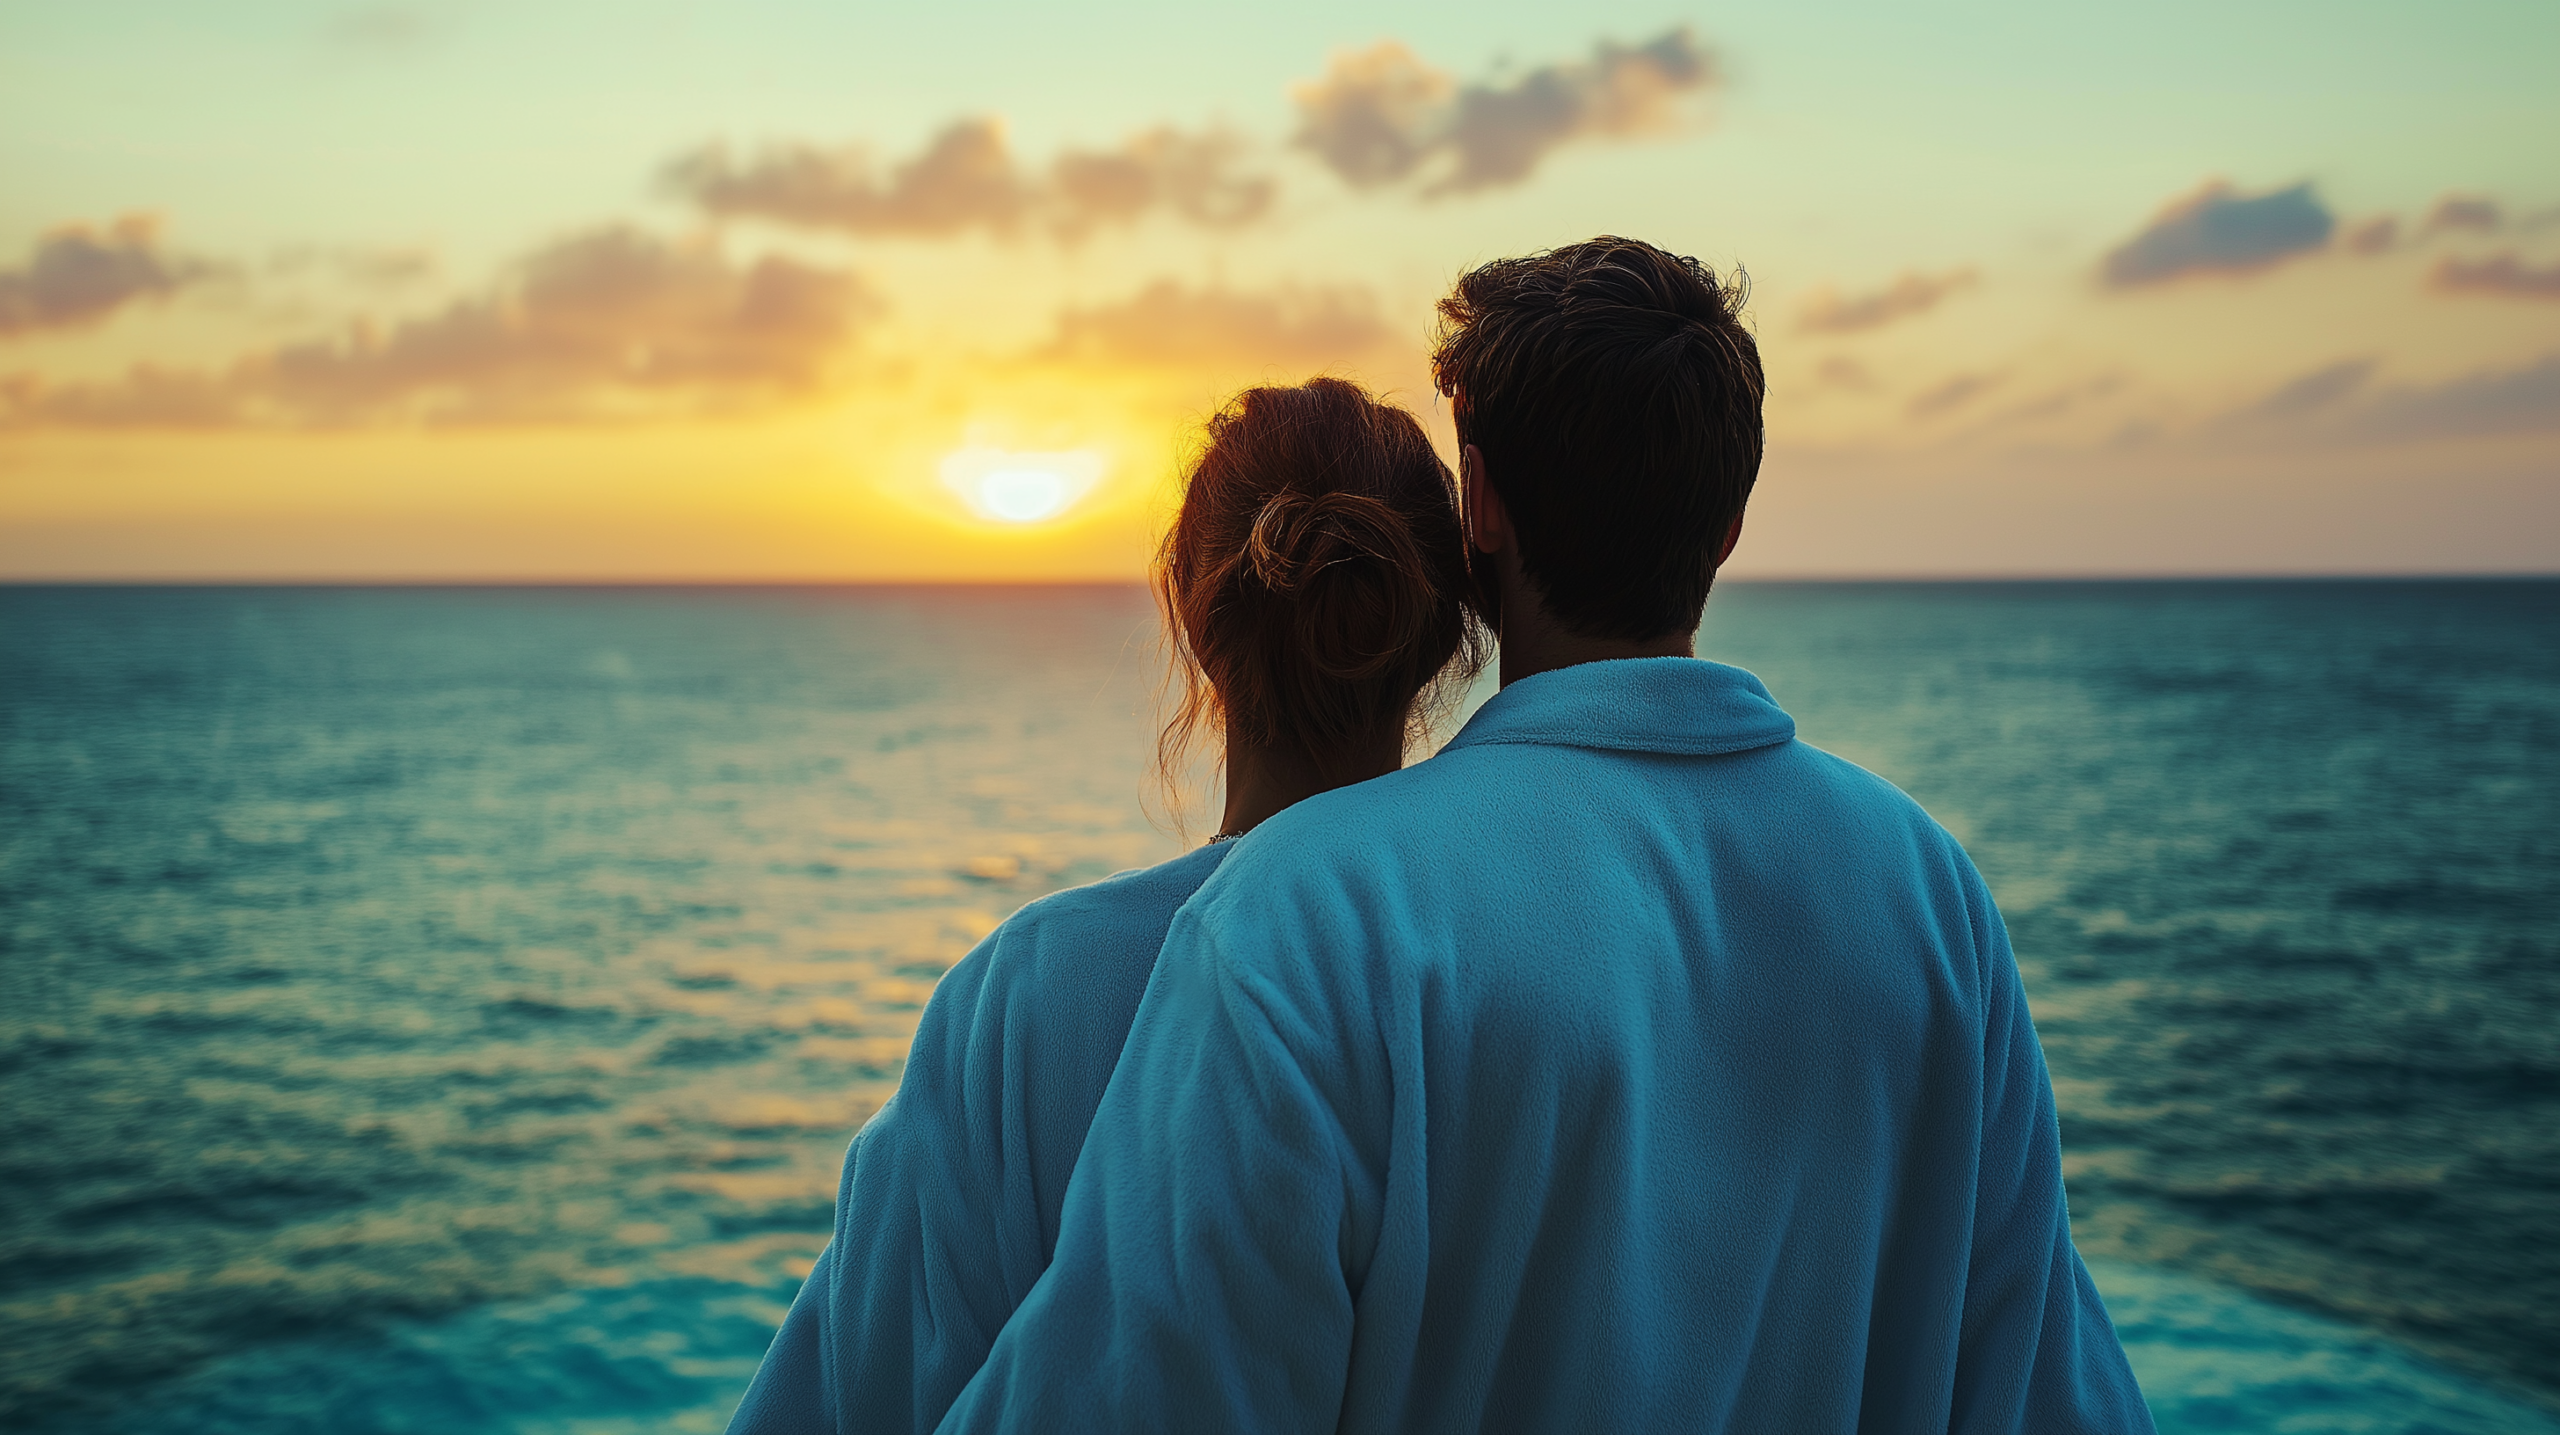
(1139, 897)
(1051, 988)
(1081, 933)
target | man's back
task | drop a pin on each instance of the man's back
(1628, 1066)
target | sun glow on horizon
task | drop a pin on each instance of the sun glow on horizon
(1021, 488)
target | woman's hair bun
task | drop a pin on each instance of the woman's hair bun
(1297, 536)
(1364, 586)
(1315, 580)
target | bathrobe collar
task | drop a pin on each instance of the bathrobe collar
(1668, 705)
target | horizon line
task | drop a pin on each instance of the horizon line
(1738, 580)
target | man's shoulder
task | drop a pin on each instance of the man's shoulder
(1438, 798)
(1858, 789)
(1482, 817)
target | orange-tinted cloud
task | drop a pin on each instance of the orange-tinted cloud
(967, 178)
(373, 267)
(1195, 176)
(1377, 114)
(1169, 324)
(148, 396)
(2378, 235)
(2464, 212)
(78, 276)
(1954, 394)
(2489, 403)
(2316, 392)
(1913, 293)
(1382, 115)
(389, 27)
(2219, 230)
(1839, 371)
(614, 323)
(2339, 403)
(2065, 399)
(2501, 275)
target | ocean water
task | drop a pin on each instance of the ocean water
(445, 1010)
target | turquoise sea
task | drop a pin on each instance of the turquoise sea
(443, 1010)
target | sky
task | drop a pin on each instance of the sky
(656, 290)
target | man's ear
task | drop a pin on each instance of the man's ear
(1732, 536)
(1488, 522)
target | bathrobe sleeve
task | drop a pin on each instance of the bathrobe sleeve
(950, 1202)
(913, 1285)
(1201, 1275)
(785, 1398)
(2036, 1350)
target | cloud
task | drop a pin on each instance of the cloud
(1383, 116)
(1377, 114)
(2058, 402)
(1839, 371)
(614, 309)
(2489, 403)
(2311, 393)
(387, 27)
(613, 323)
(2339, 403)
(967, 178)
(78, 276)
(2378, 235)
(2219, 230)
(1954, 394)
(2503, 275)
(1193, 175)
(147, 397)
(1169, 324)
(371, 266)
(2470, 212)
(1912, 293)
(2451, 214)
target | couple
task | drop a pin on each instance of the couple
(1627, 1066)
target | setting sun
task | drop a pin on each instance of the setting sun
(1020, 487)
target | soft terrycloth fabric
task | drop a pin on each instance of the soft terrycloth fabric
(1627, 1066)
(948, 1209)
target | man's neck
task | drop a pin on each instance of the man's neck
(1533, 642)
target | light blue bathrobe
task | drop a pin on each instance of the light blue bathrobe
(1628, 1066)
(949, 1205)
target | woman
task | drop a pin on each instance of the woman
(1312, 586)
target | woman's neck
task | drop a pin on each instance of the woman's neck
(1262, 779)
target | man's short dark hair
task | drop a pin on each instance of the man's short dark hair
(1615, 396)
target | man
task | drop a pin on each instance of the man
(1627, 1066)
